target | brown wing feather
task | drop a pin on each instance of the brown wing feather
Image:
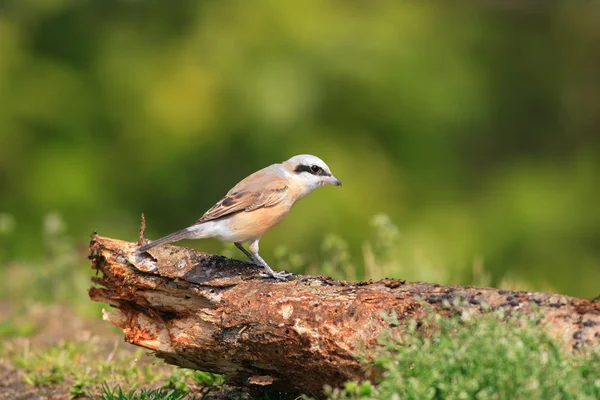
(264, 188)
(268, 199)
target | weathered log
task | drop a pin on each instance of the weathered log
(212, 313)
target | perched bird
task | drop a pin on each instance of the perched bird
(255, 205)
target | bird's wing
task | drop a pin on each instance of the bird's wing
(264, 188)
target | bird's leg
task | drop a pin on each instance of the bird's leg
(247, 253)
(270, 272)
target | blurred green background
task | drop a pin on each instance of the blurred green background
(473, 126)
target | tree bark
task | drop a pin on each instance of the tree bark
(212, 313)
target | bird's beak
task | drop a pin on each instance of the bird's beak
(332, 180)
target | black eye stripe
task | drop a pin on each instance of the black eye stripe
(308, 168)
(302, 168)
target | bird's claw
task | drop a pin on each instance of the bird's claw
(282, 276)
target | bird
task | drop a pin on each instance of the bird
(255, 205)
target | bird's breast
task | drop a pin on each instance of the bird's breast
(246, 226)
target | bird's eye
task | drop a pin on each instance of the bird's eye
(315, 168)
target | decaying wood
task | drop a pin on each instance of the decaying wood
(214, 314)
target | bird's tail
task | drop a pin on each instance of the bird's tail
(173, 237)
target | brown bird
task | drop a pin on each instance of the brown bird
(257, 204)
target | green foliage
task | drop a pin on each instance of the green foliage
(84, 364)
(60, 276)
(177, 381)
(10, 327)
(143, 394)
(48, 377)
(337, 258)
(287, 259)
(473, 128)
(207, 379)
(7, 227)
(82, 385)
(477, 357)
(486, 357)
(86, 368)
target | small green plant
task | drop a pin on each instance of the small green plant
(177, 380)
(117, 393)
(288, 260)
(355, 390)
(386, 236)
(338, 261)
(477, 357)
(47, 368)
(379, 253)
(48, 377)
(207, 379)
(82, 386)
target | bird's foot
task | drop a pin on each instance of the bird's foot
(282, 276)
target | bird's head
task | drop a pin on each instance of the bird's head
(310, 172)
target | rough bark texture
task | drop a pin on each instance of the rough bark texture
(214, 314)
